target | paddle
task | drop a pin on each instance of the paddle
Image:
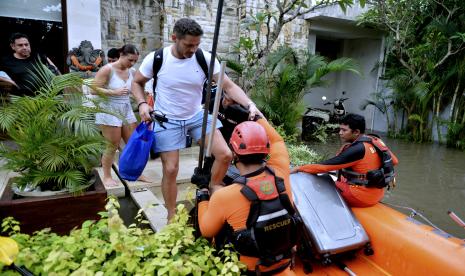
(8, 252)
(202, 175)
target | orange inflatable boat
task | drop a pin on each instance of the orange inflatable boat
(402, 246)
(342, 238)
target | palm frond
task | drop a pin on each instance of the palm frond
(344, 64)
(81, 123)
(41, 78)
(313, 63)
(276, 57)
(56, 137)
(53, 158)
(7, 117)
(338, 65)
(365, 103)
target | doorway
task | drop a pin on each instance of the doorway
(329, 48)
(46, 37)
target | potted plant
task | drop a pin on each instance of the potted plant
(56, 146)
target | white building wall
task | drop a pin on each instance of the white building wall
(335, 11)
(366, 52)
(333, 90)
(83, 18)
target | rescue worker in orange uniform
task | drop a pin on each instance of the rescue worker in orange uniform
(359, 162)
(251, 142)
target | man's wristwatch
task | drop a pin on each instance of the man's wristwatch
(203, 195)
(138, 106)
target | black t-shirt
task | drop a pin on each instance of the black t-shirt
(23, 71)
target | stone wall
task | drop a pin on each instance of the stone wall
(142, 23)
(294, 34)
(131, 21)
(204, 12)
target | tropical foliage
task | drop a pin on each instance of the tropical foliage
(279, 92)
(383, 104)
(56, 141)
(301, 154)
(108, 247)
(425, 65)
(323, 131)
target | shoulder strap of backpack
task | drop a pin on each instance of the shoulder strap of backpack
(283, 197)
(364, 138)
(202, 62)
(157, 63)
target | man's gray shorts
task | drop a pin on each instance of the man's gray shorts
(175, 135)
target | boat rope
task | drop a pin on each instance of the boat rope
(414, 213)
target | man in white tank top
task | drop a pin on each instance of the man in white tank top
(178, 95)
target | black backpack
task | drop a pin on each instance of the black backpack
(272, 223)
(158, 62)
(385, 175)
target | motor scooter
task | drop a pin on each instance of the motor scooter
(339, 110)
(313, 118)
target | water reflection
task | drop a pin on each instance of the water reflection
(430, 179)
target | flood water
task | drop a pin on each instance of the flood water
(430, 179)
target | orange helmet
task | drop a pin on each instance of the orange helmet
(249, 138)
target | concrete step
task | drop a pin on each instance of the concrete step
(153, 208)
(149, 197)
(188, 160)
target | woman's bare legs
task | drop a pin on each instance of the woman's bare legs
(113, 135)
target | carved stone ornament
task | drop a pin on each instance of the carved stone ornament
(85, 59)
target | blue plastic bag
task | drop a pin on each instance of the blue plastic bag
(136, 153)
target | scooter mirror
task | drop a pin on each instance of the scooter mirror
(323, 98)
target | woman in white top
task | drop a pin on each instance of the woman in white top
(115, 82)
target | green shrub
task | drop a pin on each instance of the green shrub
(322, 132)
(456, 135)
(302, 154)
(288, 138)
(108, 247)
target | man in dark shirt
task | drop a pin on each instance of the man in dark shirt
(22, 66)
